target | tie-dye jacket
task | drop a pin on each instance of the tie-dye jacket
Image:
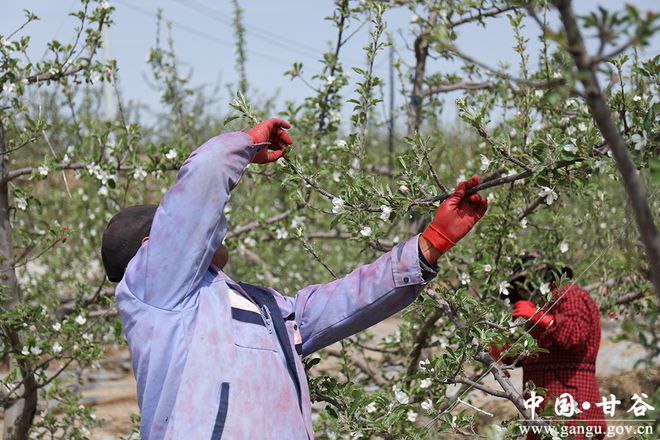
(218, 359)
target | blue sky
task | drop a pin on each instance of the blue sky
(278, 34)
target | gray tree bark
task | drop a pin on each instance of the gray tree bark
(19, 409)
(600, 111)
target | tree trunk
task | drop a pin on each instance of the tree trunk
(603, 119)
(417, 93)
(19, 408)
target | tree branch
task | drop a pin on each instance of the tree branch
(478, 386)
(421, 53)
(620, 150)
(460, 85)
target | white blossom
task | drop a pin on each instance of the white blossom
(637, 98)
(80, 320)
(88, 337)
(103, 191)
(549, 194)
(427, 405)
(424, 364)
(639, 141)
(401, 397)
(523, 223)
(340, 143)
(336, 176)
(411, 416)
(57, 348)
(281, 233)
(503, 287)
(297, 222)
(414, 18)
(330, 80)
(4, 42)
(371, 408)
(385, 212)
(582, 126)
(490, 198)
(485, 162)
(404, 189)
(563, 247)
(544, 288)
(171, 155)
(425, 383)
(139, 173)
(57, 326)
(94, 77)
(43, 170)
(337, 205)
(487, 268)
(365, 231)
(35, 350)
(25, 351)
(9, 88)
(20, 203)
(250, 242)
(571, 148)
(465, 278)
(105, 5)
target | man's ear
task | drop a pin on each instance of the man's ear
(144, 240)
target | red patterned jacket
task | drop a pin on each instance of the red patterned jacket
(570, 364)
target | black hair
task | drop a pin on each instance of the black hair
(522, 286)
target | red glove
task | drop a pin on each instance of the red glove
(455, 216)
(270, 131)
(527, 310)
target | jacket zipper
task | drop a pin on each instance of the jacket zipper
(265, 314)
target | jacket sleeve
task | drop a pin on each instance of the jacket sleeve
(330, 312)
(572, 325)
(189, 225)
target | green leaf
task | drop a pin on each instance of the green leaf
(654, 166)
(231, 118)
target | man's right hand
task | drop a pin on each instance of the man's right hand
(270, 131)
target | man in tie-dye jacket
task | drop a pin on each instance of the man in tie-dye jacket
(214, 358)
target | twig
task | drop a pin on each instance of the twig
(421, 339)
(503, 75)
(474, 407)
(473, 384)
(460, 85)
(481, 15)
(531, 207)
(313, 253)
(616, 52)
(256, 224)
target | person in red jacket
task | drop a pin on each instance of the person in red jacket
(568, 327)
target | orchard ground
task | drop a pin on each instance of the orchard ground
(111, 389)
